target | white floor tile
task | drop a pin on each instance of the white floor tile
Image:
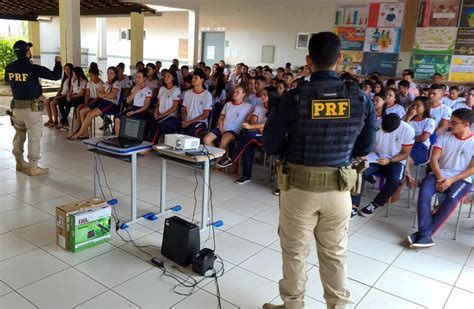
(11, 203)
(62, 290)
(153, 241)
(108, 300)
(449, 250)
(459, 299)
(374, 248)
(466, 279)
(39, 194)
(259, 232)
(39, 234)
(429, 266)
(73, 185)
(20, 184)
(230, 219)
(4, 289)
(235, 249)
(364, 269)
(446, 232)
(202, 300)
(470, 260)
(264, 196)
(418, 289)
(113, 268)
(152, 195)
(124, 186)
(386, 232)
(136, 231)
(15, 300)
(29, 267)
(379, 299)
(6, 175)
(12, 245)
(74, 258)
(50, 206)
(253, 294)
(243, 206)
(19, 218)
(266, 263)
(271, 216)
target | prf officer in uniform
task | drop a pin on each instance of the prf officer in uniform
(27, 117)
(326, 124)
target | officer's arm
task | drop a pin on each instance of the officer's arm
(366, 139)
(46, 73)
(276, 125)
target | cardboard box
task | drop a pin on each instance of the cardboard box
(89, 228)
(62, 217)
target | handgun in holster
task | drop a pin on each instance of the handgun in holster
(10, 113)
(360, 166)
(282, 175)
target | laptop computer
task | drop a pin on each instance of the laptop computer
(130, 135)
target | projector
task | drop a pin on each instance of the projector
(182, 142)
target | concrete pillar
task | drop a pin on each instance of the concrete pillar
(70, 31)
(34, 38)
(101, 29)
(137, 21)
(193, 37)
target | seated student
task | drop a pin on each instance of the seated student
(92, 93)
(452, 166)
(252, 95)
(466, 103)
(75, 96)
(140, 96)
(392, 147)
(197, 104)
(230, 122)
(437, 78)
(452, 98)
(124, 80)
(288, 78)
(186, 86)
(425, 92)
(406, 97)
(51, 105)
(367, 86)
(379, 104)
(152, 81)
(165, 115)
(245, 148)
(391, 84)
(219, 97)
(108, 103)
(408, 75)
(281, 87)
(439, 112)
(392, 103)
(379, 88)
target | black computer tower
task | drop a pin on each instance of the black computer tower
(181, 240)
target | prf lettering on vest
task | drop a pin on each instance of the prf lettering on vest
(18, 77)
(331, 109)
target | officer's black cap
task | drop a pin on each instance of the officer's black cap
(21, 47)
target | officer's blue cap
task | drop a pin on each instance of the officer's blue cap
(20, 47)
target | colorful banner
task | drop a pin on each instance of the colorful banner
(351, 38)
(382, 40)
(385, 64)
(425, 66)
(462, 69)
(388, 15)
(435, 40)
(352, 15)
(438, 13)
(467, 14)
(465, 42)
(351, 62)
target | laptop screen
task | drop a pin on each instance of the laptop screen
(132, 128)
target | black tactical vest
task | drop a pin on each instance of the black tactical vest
(331, 115)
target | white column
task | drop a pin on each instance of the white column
(101, 29)
(34, 38)
(193, 37)
(137, 28)
(70, 31)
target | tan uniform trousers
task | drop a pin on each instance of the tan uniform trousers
(304, 217)
(27, 123)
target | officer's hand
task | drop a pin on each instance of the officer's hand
(58, 59)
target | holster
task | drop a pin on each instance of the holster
(282, 176)
(359, 167)
(35, 105)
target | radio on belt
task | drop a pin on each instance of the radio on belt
(182, 142)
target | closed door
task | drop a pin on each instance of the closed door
(212, 47)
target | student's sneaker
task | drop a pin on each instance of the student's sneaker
(412, 238)
(368, 210)
(242, 180)
(225, 162)
(423, 242)
(276, 192)
(354, 212)
(35, 171)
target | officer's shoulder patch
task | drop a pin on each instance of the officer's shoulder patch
(331, 109)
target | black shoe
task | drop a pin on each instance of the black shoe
(225, 162)
(242, 180)
(354, 212)
(371, 179)
(276, 192)
(368, 210)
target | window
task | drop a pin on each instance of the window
(302, 40)
(125, 34)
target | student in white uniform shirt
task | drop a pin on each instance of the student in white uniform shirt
(467, 103)
(92, 92)
(165, 115)
(197, 104)
(124, 80)
(51, 105)
(406, 97)
(452, 165)
(392, 148)
(230, 121)
(439, 112)
(392, 103)
(453, 98)
(140, 96)
(219, 97)
(74, 97)
(379, 104)
(252, 95)
(152, 81)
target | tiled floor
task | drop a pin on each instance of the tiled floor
(35, 272)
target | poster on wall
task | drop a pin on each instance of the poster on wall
(467, 14)
(388, 15)
(435, 40)
(386, 64)
(352, 15)
(351, 62)
(465, 42)
(352, 38)
(462, 69)
(425, 66)
(382, 40)
(438, 13)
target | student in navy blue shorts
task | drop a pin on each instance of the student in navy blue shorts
(108, 104)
